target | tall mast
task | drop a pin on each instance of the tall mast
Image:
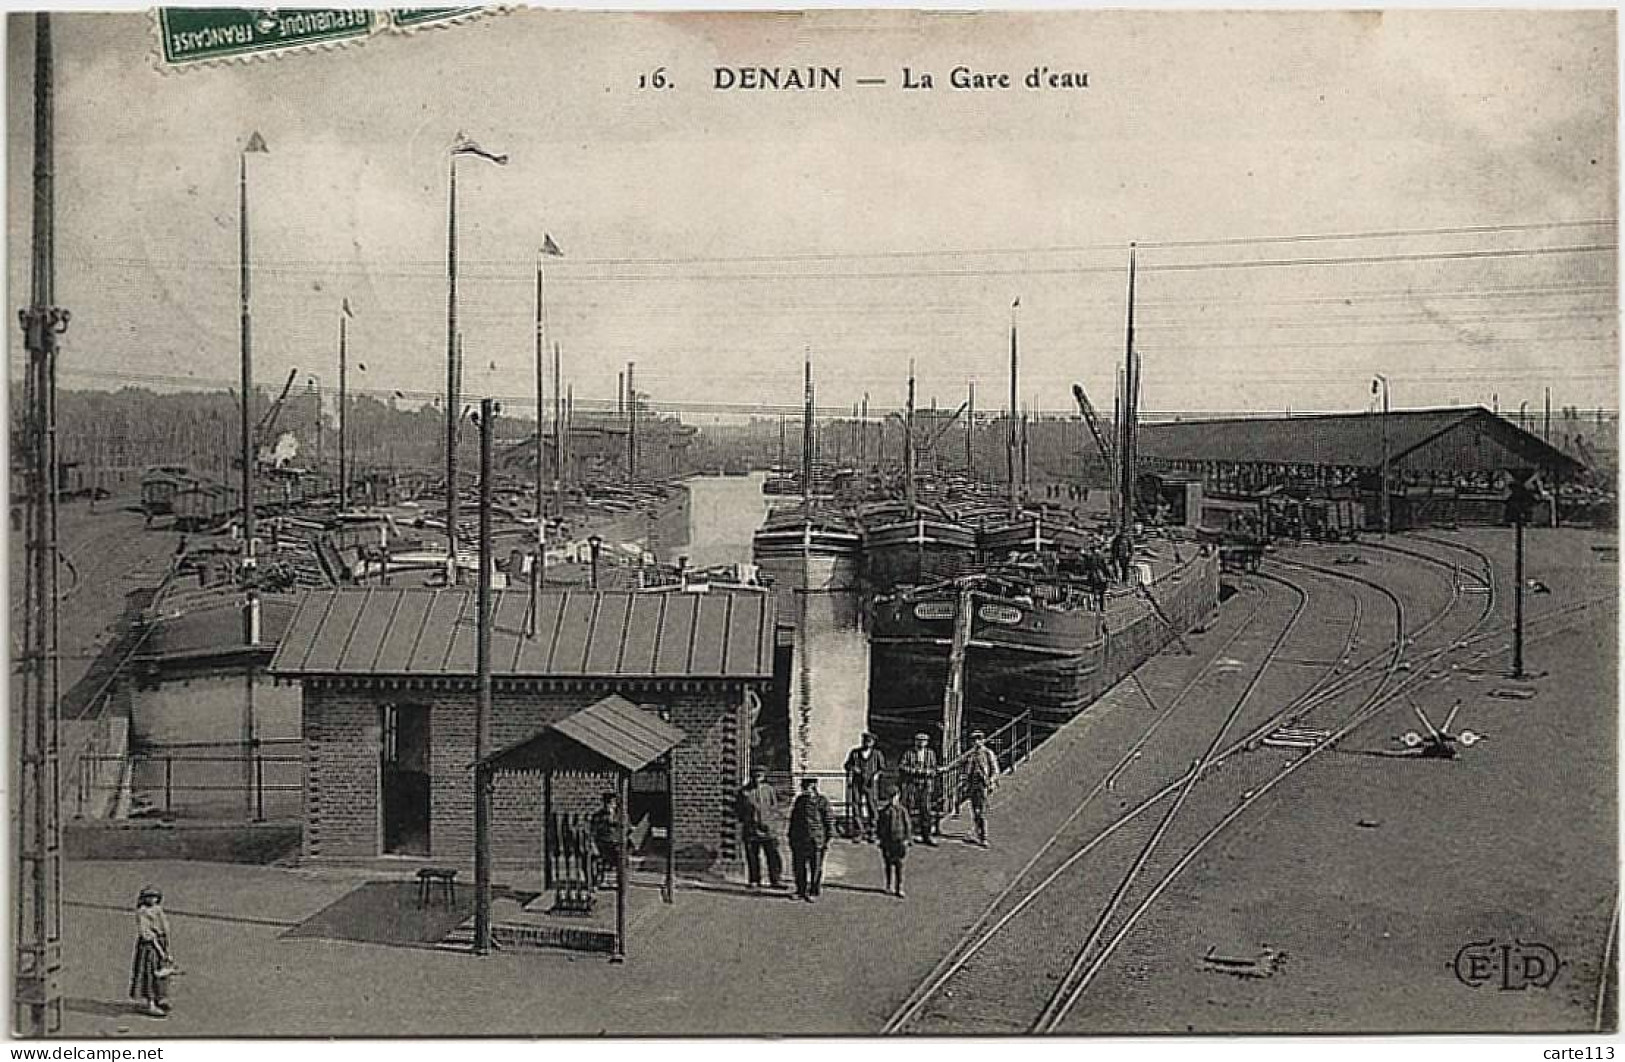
(631, 424)
(541, 418)
(1011, 442)
(908, 443)
(863, 435)
(453, 376)
(1131, 385)
(344, 361)
(255, 144)
(558, 433)
(807, 438)
(970, 433)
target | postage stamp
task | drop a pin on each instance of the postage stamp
(194, 35)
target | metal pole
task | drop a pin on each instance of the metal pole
(453, 400)
(1387, 516)
(1517, 623)
(623, 790)
(482, 723)
(671, 827)
(38, 981)
(1129, 407)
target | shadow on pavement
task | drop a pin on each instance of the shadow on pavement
(387, 912)
(102, 1008)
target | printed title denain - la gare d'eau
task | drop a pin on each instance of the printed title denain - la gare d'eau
(816, 78)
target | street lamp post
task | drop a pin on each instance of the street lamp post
(595, 544)
(1387, 516)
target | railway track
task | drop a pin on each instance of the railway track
(1002, 945)
(972, 984)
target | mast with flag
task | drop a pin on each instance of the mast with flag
(549, 249)
(461, 146)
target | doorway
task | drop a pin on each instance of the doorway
(404, 778)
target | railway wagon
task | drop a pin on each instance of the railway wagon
(1238, 527)
(202, 505)
(159, 485)
(1333, 519)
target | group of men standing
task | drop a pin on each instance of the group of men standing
(882, 813)
(812, 827)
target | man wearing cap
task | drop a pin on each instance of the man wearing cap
(758, 810)
(812, 824)
(864, 766)
(919, 771)
(981, 777)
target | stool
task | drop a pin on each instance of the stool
(445, 878)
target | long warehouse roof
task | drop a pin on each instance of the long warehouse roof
(1457, 439)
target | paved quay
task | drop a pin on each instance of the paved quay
(1367, 872)
(720, 960)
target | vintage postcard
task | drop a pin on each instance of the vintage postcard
(841, 522)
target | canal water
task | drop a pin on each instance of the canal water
(723, 513)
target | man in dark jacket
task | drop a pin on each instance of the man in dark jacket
(918, 769)
(812, 824)
(758, 811)
(864, 766)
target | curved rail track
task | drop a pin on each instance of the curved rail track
(989, 963)
(991, 950)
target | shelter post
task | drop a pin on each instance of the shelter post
(667, 893)
(547, 829)
(624, 792)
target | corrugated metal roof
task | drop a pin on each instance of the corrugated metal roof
(1348, 439)
(614, 729)
(415, 631)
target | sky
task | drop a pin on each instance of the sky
(1464, 164)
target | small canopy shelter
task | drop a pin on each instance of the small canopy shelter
(614, 737)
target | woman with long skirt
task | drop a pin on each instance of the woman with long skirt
(150, 973)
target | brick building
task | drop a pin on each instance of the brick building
(390, 692)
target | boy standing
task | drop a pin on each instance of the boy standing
(893, 831)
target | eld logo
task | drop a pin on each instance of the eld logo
(1512, 967)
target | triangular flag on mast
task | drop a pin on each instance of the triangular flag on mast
(256, 143)
(465, 146)
(549, 247)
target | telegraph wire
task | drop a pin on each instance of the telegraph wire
(1082, 248)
